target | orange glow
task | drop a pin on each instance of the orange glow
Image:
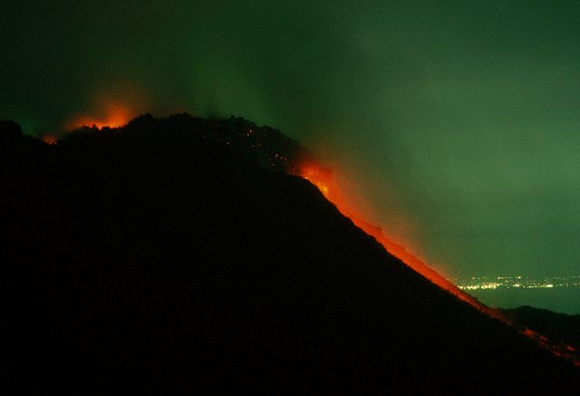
(561, 350)
(113, 115)
(49, 139)
(112, 104)
(322, 178)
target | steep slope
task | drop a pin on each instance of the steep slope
(154, 259)
(557, 327)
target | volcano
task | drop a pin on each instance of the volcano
(183, 255)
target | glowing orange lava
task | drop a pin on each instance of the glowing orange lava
(322, 178)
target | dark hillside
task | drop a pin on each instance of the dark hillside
(154, 259)
(559, 328)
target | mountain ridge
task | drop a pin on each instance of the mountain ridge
(169, 262)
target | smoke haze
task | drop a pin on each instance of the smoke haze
(455, 124)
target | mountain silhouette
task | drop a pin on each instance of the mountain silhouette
(171, 256)
(558, 328)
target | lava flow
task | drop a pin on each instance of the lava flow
(322, 178)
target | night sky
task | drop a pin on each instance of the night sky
(456, 121)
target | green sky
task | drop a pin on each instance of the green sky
(459, 116)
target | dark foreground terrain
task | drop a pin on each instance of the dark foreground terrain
(155, 260)
(557, 327)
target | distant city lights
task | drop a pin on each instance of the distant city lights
(516, 282)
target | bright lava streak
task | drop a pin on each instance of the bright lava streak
(322, 178)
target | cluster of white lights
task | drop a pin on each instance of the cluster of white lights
(517, 282)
